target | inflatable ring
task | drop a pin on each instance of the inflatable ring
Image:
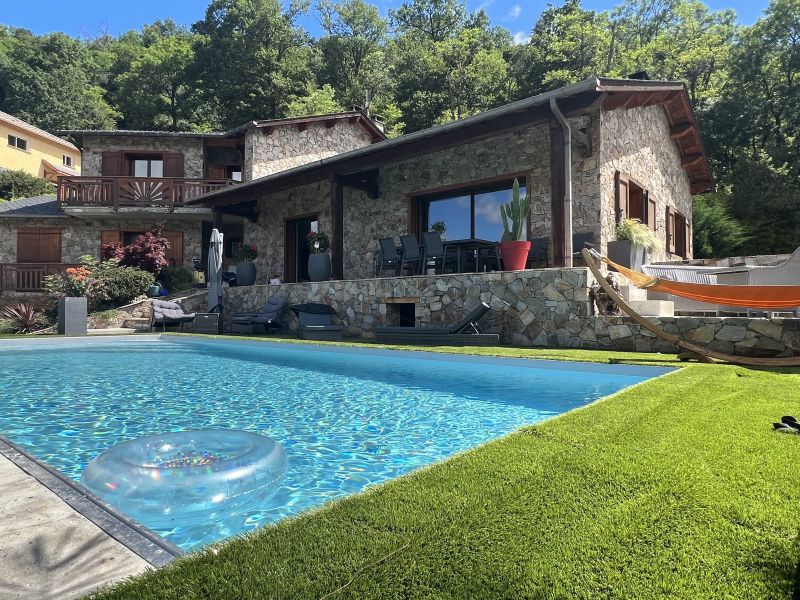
(188, 477)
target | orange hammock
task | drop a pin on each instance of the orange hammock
(749, 296)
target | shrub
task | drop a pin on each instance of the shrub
(120, 285)
(19, 184)
(176, 279)
(639, 233)
(148, 252)
(75, 282)
(24, 318)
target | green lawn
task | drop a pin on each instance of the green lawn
(677, 487)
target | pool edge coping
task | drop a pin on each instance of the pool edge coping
(143, 542)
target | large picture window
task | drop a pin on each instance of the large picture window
(471, 212)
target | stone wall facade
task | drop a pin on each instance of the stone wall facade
(636, 143)
(190, 147)
(81, 236)
(536, 307)
(268, 151)
(542, 307)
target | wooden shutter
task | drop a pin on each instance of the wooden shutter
(113, 163)
(173, 164)
(110, 236)
(217, 172)
(670, 216)
(175, 252)
(622, 196)
(651, 211)
(39, 245)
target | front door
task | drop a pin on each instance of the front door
(296, 249)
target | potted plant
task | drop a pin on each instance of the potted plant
(439, 227)
(513, 249)
(245, 254)
(319, 262)
(634, 241)
(72, 288)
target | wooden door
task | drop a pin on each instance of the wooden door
(175, 252)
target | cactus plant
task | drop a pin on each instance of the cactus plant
(514, 214)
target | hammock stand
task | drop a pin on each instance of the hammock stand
(691, 350)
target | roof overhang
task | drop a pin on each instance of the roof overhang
(574, 100)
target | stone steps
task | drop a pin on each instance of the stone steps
(653, 308)
(631, 292)
(138, 324)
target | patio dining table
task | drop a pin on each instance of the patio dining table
(463, 248)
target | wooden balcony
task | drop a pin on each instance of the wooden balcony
(27, 277)
(165, 193)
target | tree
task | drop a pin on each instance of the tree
(50, 81)
(158, 91)
(253, 58)
(716, 233)
(353, 50)
(20, 184)
(429, 20)
(320, 101)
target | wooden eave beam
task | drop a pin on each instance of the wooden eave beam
(302, 126)
(691, 160)
(680, 130)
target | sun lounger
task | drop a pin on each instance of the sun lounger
(267, 317)
(463, 333)
(168, 313)
(315, 322)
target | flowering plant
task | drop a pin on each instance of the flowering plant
(317, 241)
(74, 282)
(245, 253)
(148, 252)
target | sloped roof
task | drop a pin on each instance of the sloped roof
(579, 98)
(355, 116)
(35, 206)
(21, 125)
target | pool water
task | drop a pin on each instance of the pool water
(346, 419)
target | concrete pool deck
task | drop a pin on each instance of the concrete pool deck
(48, 549)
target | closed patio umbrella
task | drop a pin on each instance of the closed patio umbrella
(215, 273)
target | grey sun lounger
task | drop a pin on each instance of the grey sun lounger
(267, 317)
(463, 333)
(315, 322)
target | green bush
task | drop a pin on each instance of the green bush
(121, 285)
(19, 184)
(175, 279)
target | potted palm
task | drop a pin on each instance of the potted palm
(245, 254)
(319, 261)
(513, 248)
(634, 241)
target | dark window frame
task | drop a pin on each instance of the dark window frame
(14, 140)
(132, 157)
(424, 200)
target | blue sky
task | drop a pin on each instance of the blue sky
(87, 18)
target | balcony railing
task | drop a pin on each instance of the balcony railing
(133, 192)
(27, 277)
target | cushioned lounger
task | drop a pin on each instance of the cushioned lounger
(463, 333)
(315, 322)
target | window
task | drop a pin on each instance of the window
(66, 160)
(17, 142)
(679, 233)
(469, 213)
(146, 166)
(633, 201)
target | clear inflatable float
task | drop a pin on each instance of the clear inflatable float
(188, 477)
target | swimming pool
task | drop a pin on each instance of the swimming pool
(348, 418)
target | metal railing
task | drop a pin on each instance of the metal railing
(131, 192)
(27, 277)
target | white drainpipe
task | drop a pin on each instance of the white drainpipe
(567, 181)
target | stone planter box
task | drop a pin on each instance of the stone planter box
(627, 254)
(72, 313)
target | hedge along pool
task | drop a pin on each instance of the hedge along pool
(347, 417)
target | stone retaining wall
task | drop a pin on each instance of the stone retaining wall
(544, 307)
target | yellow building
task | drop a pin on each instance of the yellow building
(28, 148)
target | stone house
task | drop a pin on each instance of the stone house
(133, 180)
(634, 151)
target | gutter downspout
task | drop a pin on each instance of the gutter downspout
(567, 180)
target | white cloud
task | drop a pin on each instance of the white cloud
(485, 4)
(515, 11)
(521, 37)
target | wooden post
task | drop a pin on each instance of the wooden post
(557, 187)
(337, 231)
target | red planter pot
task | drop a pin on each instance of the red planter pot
(514, 255)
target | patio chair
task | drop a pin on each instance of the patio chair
(267, 316)
(411, 253)
(579, 241)
(433, 250)
(465, 332)
(315, 322)
(167, 312)
(537, 256)
(387, 257)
